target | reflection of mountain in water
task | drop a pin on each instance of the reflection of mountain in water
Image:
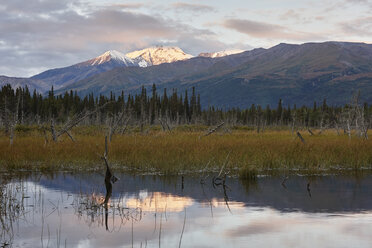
(328, 193)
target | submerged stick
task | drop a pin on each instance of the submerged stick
(308, 189)
(109, 177)
(283, 182)
(183, 229)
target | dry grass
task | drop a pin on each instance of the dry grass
(182, 151)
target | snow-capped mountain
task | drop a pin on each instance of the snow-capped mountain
(112, 55)
(221, 53)
(158, 55)
(61, 77)
(260, 76)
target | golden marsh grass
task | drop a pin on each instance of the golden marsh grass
(182, 151)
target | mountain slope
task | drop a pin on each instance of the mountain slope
(32, 84)
(299, 74)
(132, 78)
(221, 53)
(61, 77)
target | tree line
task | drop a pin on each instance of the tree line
(20, 106)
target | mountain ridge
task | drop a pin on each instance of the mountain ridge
(298, 74)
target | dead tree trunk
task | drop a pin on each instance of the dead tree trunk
(11, 137)
(114, 125)
(109, 177)
(53, 131)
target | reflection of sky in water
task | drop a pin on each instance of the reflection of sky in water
(57, 217)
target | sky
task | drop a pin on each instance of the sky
(36, 35)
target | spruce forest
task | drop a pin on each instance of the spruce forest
(21, 107)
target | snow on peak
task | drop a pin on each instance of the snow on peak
(221, 53)
(158, 55)
(112, 55)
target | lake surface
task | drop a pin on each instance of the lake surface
(66, 210)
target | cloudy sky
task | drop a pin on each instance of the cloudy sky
(36, 35)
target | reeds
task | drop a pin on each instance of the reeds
(181, 151)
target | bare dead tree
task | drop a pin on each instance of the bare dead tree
(5, 116)
(125, 126)
(74, 121)
(114, 124)
(13, 121)
(11, 136)
(336, 124)
(293, 121)
(353, 118)
(53, 131)
(361, 125)
(164, 124)
(43, 129)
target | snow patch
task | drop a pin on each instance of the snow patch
(159, 55)
(112, 55)
(221, 53)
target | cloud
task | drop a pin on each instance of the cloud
(267, 30)
(356, 1)
(128, 5)
(358, 27)
(34, 6)
(254, 228)
(253, 28)
(290, 14)
(193, 7)
(61, 33)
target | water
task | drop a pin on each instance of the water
(65, 210)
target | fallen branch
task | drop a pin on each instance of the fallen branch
(214, 129)
(301, 138)
(69, 135)
(74, 121)
(311, 132)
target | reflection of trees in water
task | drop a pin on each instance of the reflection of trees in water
(11, 210)
(19, 204)
(249, 184)
(114, 214)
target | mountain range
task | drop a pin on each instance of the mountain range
(297, 74)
